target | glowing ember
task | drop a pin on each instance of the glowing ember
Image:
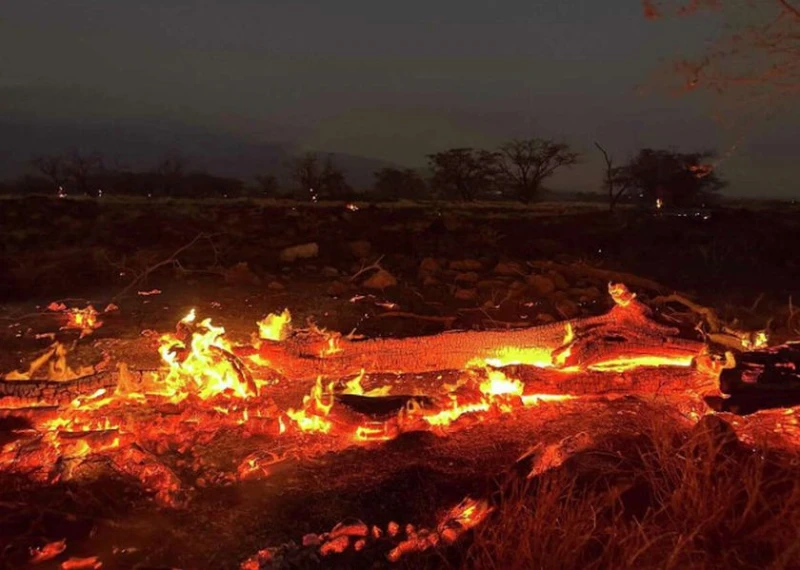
(55, 358)
(354, 387)
(620, 294)
(623, 363)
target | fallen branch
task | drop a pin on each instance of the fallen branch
(607, 275)
(706, 313)
(446, 321)
(370, 267)
(168, 261)
(625, 332)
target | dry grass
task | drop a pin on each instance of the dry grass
(666, 499)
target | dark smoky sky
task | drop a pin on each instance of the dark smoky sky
(390, 80)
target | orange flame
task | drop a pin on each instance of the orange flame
(312, 417)
(275, 326)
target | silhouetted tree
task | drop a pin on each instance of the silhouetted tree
(462, 173)
(674, 178)
(82, 168)
(332, 182)
(614, 181)
(170, 172)
(525, 164)
(54, 168)
(305, 173)
(267, 184)
(396, 183)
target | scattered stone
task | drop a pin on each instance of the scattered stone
(360, 249)
(468, 277)
(337, 288)
(586, 295)
(380, 280)
(311, 540)
(428, 267)
(466, 265)
(275, 286)
(491, 284)
(240, 274)
(567, 308)
(430, 282)
(303, 251)
(541, 285)
(559, 280)
(329, 271)
(712, 434)
(545, 318)
(511, 268)
(466, 294)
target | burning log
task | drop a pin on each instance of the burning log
(15, 393)
(625, 336)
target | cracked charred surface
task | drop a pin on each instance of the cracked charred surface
(626, 332)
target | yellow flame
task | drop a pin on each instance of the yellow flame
(313, 415)
(498, 384)
(275, 326)
(204, 371)
(624, 363)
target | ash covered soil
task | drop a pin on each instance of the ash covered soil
(388, 271)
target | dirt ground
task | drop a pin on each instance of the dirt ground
(444, 267)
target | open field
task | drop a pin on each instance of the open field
(160, 442)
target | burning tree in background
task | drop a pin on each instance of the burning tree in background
(761, 54)
(669, 177)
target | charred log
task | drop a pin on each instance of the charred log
(51, 392)
(625, 332)
(761, 379)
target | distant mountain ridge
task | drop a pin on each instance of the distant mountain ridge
(141, 147)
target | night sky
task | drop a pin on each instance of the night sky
(392, 81)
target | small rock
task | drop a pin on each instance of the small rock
(329, 271)
(466, 265)
(468, 277)
(337, 288)
(465, 294)
(559, 280)
(311, 540)
(491, 284)
(275, 286)
(545, 318)
(430, 282)
(428, 267)
(380, 280)
(240, 274)
(360, 249)
(712, 434)
(541, 285)
(508, 268)
(567, 308)
(303, 251)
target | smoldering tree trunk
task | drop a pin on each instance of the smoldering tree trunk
(624, 332)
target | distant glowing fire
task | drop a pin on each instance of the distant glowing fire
(209, 386)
